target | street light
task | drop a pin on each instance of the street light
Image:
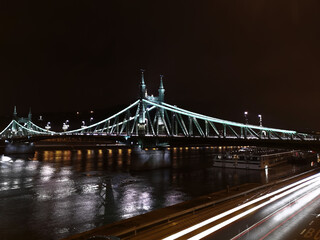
(65, 125)
(48, 126)
(260, 119)
(246, 117)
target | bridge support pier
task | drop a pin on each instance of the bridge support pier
(141, 129)
(19, 148)
(147, 159)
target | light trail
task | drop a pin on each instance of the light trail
(227, 222)
(307, 200)
(295, 186)
(298, 204)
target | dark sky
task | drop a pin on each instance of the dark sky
(219, 58)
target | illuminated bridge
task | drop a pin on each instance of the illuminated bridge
(150, 119)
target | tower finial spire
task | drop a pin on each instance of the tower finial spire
(161, 90)
(142, 86)
(161, 82)
(30, 114)
(141, 128)
(15, 112)
(142, 76)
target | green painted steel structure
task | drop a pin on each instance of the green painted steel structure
(151, 116)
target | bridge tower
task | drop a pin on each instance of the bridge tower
(15, 114)
(21, 120)
(29, 115)
(29, 119)
(160, 120)
(142, 115)
(144, 120)
(161, 90)
(14, 117)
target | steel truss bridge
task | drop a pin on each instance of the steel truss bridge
(151, 118)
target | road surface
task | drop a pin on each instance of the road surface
(291, 211)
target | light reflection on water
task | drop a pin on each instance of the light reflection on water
(54, 194)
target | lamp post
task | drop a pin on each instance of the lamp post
(246, 117)
(48, 126)
(260, 120)
(65, 125)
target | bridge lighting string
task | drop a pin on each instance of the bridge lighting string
(103, 121)
(31, 130)
(7, 127)
(42, 129)
(163, 106)
(128, 120)
(27, 129)
(206, 118)
(304, 182)
(120, 123)
(217, 120)
(10, 125)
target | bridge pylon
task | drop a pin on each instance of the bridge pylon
(141, 127)
(143, 120)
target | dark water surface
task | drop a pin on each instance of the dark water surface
(58, 193)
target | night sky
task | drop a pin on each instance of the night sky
(219, 58)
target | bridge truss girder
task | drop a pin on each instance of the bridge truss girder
(17, 130)
(151, 118)
(162, 119)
